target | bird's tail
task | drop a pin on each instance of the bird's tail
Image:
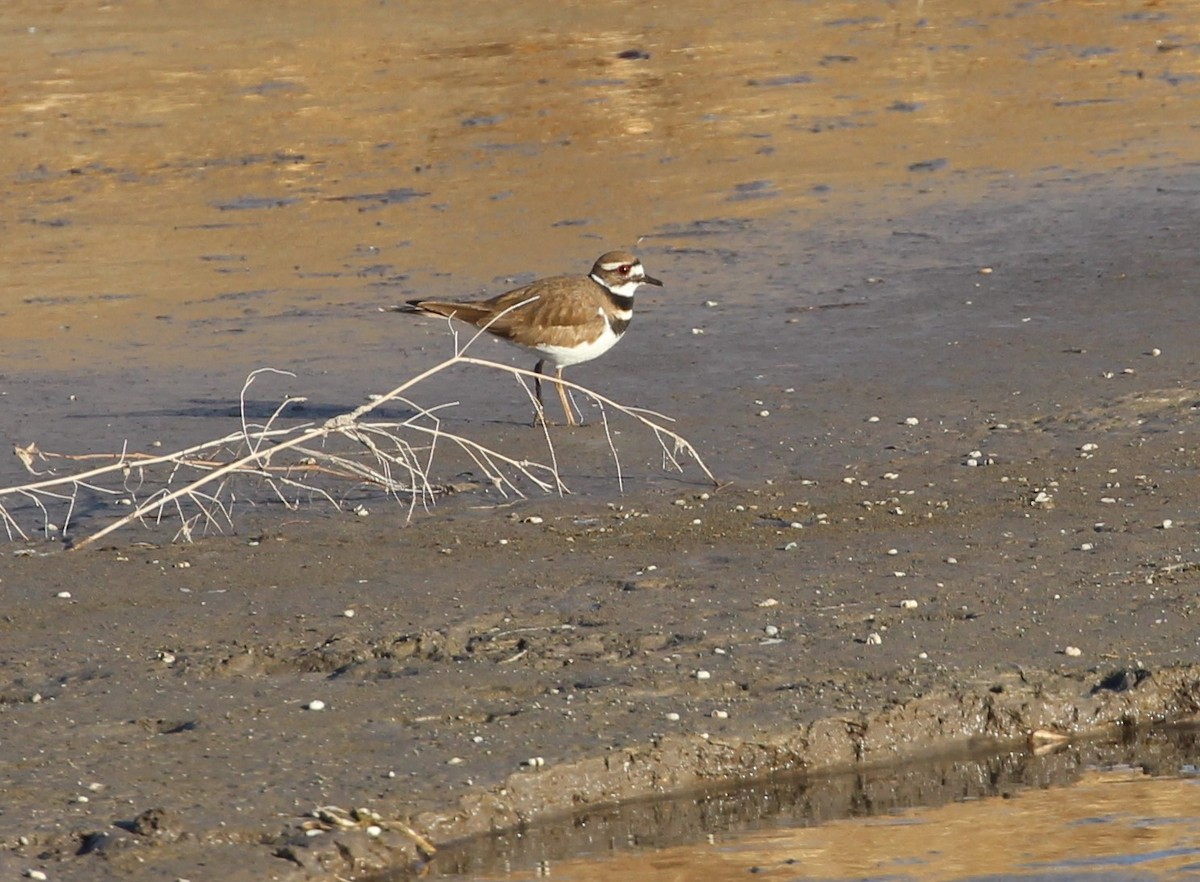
(412, 307)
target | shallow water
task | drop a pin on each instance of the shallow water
(216, 188)
(1065, 815)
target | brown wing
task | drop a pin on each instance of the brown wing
(559, 316)
(552, 316)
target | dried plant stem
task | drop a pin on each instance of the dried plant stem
(288, 459)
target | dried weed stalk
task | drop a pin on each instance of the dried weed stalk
(296, 462)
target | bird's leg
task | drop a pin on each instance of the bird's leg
(540, 418)
(566, 404)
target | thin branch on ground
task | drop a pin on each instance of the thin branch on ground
(196, 484)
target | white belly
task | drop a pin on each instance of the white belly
(563, 356)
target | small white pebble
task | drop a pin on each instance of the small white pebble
(791, 546)
(767, 603)
(1089, 447)
(899, 574)
(35, 874)
(532, 519)
(893, 551)
(873, 639)
(848, 480)
(455, 761)
(63, 595)
(348, 613)
(697, 331)
(890, 476)
(673, 717)
(985, 271)
(696, 522)
(374, 830)
(315, 705)
(1156, 352)
(720, 715)
(911, 421)
(952, 560)
(183, 565)
(1086, 546)
(1167, 523)
(872, 419)
(1073, 651)
(535, 762)
(764, 413)
(361, 511)
(703, 675)
(710, 303)
(80, 799)
(908, 604)
(922, 655)
(771, 630)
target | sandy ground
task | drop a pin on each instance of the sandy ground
(952, 405)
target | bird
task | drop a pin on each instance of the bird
(566, 320)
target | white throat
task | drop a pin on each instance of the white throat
(625, 290)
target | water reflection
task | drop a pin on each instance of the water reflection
(127, 135)
(952, 818)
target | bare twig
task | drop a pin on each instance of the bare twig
(194, 484)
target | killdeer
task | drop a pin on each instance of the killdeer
(565, 319)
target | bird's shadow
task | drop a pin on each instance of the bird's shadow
(256, 410)
(260, 411)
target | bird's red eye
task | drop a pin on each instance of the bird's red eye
(624, 269)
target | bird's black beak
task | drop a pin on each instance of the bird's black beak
(650, 280)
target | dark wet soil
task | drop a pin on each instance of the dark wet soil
(859, 592)
(953, 412)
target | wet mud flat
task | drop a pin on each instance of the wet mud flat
(972, 522)
(938, 341)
